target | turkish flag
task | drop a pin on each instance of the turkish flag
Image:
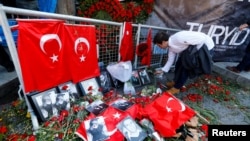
(126, 48)
(41, 52)
(167, 114)
(80, 41)
(134, 111)
(111, 118)
(149, 42)
(144, 49)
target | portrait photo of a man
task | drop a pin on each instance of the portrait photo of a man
(144, 76)
(131, 130)
(62, 102)
(135, 78)
(105, 81)
(90, 86)
(45, 104)
(96, 129)
(97, 107)
(70, 88)
(122, 104)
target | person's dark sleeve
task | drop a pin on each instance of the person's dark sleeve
(248, 23)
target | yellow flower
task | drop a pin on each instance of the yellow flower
(28, 115)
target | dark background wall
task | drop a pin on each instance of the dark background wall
(217, 18)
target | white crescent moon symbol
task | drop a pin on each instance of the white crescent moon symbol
(47, 37)
(183, 107)
(79, 40)
(169, 99)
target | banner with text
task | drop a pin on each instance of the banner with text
(218, 18)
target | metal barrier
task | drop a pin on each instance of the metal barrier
(109, 39)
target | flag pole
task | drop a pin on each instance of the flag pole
(201, 117)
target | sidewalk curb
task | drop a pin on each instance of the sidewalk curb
(243, 78)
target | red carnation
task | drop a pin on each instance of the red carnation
(3, 129)
(65, 87)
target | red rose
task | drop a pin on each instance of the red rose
(227, 92)
(204, 127)
(32, 138)
(3, 129)
(64, 113)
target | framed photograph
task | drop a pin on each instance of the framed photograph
(116, 83)
(90, 86)
(131, 130)
(135, 78)
(48, 103)
(122, 104)
(97, 107)
(96, 129)
(70, 88)
(144, 77)
(105, 81)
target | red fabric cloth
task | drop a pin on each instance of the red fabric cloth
(141, 49)
(144, 49)
(40, 52)
(80, 41)
(134, 111)
(167, 114)
(111, 117)
(149, 42)
(126, 48)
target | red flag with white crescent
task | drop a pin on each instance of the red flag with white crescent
(111, 118)
(126, 48)
(82, 53)
(40, 52)
(167, 114)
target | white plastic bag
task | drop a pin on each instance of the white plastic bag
(128, 88)
(121, 71)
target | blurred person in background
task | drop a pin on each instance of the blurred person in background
(244, 64)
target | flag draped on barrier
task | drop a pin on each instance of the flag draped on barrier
(149, 43)
(41, 52)
(52, 52)
(144, 49)
(126, 48)
(80, 42)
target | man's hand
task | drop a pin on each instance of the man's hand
(159, 71)
(243, 26)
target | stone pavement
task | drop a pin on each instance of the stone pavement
(243, 78)
(9, 85)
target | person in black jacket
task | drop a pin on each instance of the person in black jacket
(244, 64)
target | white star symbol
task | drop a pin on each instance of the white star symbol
(127, 32)
(117, 115)
(169, 109)
(82, 58)
(54, 58)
